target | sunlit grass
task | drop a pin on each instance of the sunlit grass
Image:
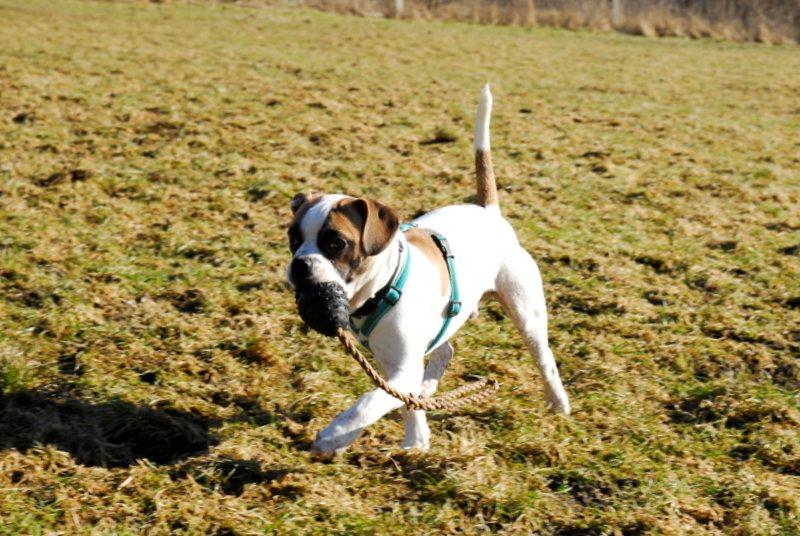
(156, 376)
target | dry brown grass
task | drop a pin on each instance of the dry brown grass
(156, 378)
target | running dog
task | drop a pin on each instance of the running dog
(408, 289)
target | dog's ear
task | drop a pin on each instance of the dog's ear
(301, 199)
(380, 223)
(297, 202)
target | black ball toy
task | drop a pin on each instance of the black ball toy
(323, 307)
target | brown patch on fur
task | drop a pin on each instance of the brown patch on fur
(377, 223)
(380, 224)
(484, 178)
(366, 225)
(425, 243)
(347, 224)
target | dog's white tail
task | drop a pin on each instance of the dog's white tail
(484, 173)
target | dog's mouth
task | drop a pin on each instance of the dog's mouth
(323, 307)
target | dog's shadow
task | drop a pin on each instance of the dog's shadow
(109, 434)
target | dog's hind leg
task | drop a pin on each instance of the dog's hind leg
(417, 434)
(519, 287)
(437, 363)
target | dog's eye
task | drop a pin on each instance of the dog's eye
(337, 244)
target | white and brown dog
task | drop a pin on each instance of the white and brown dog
(356, 243)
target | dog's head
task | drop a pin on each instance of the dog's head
(334, 237)
(335, 240)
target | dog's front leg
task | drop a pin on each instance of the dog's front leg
(417, 433)
(348, 425)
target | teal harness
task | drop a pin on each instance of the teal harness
(388, 296)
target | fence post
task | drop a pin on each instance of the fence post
(396, 8)
(616, 13)
(528, 13)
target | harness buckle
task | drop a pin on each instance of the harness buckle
(392, 295)
(443, 245)
(453, 308)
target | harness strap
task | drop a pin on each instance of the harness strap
(454, 305)
(391, 294)
(389, 297)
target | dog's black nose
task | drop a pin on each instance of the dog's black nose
(300, 270)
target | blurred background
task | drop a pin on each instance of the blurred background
(767, 21)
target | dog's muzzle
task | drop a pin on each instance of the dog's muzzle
(322, 305)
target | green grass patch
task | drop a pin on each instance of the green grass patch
(156, 377)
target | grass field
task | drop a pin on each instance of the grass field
(157, 379)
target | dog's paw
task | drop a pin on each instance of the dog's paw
(419, 444)
(322, 454)
(333, 440)
(325, 450)
(557, 402)
(558, 405)
(417, 433)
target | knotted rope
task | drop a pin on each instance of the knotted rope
(469, 393)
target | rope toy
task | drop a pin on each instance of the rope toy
(323, 307)
(466, 394)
